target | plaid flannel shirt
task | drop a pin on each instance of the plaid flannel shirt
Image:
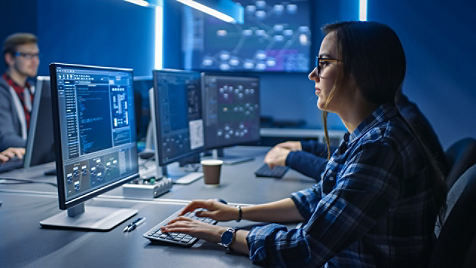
(373, 207)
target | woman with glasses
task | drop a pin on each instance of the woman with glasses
(379, 196)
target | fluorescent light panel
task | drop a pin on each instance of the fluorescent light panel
(363, 10)
(159, 25)
(208, 10)
(139, 2)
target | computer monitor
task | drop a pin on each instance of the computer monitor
(177, 117)
(231, 112)
(40, 147)
(95, 141)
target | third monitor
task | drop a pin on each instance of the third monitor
(231, 112)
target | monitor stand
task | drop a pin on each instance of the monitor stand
(181, 177)
(95, 218)
(230, 159)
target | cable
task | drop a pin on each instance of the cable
(23, 181)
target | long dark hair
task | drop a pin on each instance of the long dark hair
(373, 56)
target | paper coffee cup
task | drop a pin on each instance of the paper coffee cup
(211, 171)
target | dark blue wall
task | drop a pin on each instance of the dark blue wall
(94, 32)
(16, 16)
(97, 32)
(439, 39)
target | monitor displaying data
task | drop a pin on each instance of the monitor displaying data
(275, 37)
(231, 110)
(94, 114)
(178, 115)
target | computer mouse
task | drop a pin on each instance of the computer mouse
(146, 154)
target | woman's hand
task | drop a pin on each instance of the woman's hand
(216, 210)
(198, 229)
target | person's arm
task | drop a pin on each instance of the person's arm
(363, 194)
(278, 154)
(317, 148)
(290, 145)
(279, 211)
(276, 157)
(8, 135)
(307, 164)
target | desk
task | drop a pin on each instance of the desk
(23, 243)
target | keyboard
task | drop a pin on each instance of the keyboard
(156, 235)
(11, 164)
(276, 172)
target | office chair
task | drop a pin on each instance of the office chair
(470, 259)
(461, 155)
(459, 228)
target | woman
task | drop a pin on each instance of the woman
(380, 193)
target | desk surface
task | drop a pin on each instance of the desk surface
(25, 244)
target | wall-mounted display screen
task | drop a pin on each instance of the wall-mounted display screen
(275, 37)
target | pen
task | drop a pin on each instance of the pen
(131, 224)
(135, 224)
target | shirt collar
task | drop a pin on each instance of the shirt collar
(402, 101)
(12, 83)
(382, 113)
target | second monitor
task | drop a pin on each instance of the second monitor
(177, 118)
(231, 112)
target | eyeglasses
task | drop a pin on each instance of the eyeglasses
(323, 62)
(28, 55)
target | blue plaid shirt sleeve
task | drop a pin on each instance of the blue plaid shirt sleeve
(362, 193)
(306, 200)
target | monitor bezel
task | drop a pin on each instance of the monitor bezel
(202, 78)
(157, 111)
(63, 203)
(33, 120)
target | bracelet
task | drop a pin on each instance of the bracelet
(240, 214)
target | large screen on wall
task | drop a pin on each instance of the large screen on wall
(275, 37)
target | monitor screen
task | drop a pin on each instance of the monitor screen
(95, 133)
(275, 37)
(40, 143)
(231, 110)
(178, 115)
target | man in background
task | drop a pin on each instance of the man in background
(21, 55)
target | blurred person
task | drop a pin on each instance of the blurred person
(21, 55)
